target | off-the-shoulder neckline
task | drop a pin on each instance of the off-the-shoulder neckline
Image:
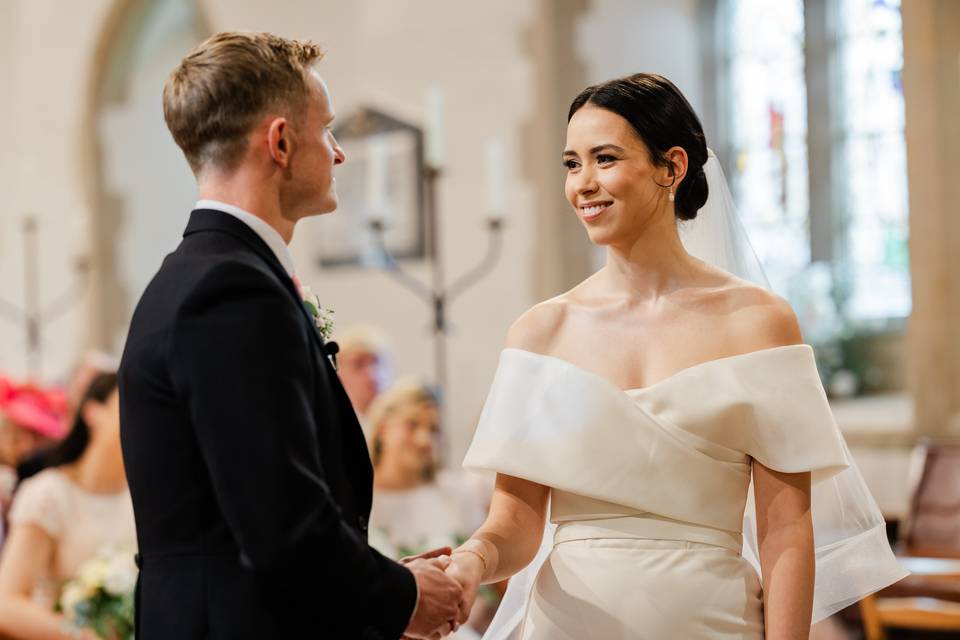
(699, 365)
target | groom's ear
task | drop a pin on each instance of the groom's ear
(278, 141)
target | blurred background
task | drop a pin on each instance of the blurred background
(834, 120)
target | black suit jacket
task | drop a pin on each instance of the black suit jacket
(250, 477)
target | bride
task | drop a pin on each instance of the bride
(665, 417)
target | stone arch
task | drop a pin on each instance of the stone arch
(129, 27)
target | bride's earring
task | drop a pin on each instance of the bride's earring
(671, 197)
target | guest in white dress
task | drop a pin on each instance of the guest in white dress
(63, 516)
(416, 506)
(637, 410)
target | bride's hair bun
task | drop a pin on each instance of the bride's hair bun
(692, 194)
(661, 116)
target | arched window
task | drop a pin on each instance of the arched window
(873, 160)
(144, 188)
(767, 131)
(812, 135)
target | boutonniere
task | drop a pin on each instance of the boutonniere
(322, 317)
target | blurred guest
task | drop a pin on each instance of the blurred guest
(92, 365)
(63, 516)
(363, 364)
(95, 363)
(30, 418)
(417, 506)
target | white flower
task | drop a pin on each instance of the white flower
(92, 574)
(121, 575)
(73, 594)
(322, 317)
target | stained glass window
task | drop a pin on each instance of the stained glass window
(767, 120)
(872, 154)
(768, 128)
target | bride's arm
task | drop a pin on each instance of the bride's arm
(785, 537)
(506, 542)
(784, 522)
(511, 535)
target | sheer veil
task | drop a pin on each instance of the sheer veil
(716, 235)
(853, 557)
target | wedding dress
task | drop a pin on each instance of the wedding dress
(649, 488)
(651, 528)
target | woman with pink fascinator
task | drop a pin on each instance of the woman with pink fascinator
(30, 417)
(77, 506)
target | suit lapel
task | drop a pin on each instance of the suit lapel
(360, 469)
(213, 220)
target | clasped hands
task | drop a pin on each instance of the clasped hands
(448, 584)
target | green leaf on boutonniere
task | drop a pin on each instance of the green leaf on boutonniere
(311, 308)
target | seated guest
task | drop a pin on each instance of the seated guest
(30, 418)
(63, 516)
(417, 507)
(95, 363)
(363, 365)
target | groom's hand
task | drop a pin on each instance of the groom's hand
(438, 608)
(433, 553)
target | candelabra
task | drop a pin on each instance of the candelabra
(437, 293)
(34, 315)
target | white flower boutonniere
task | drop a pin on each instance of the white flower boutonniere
(322, 317)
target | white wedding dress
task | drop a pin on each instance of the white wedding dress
(649, 490)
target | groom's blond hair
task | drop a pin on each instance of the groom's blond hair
(219, 91)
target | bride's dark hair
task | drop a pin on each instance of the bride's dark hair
(661, 116)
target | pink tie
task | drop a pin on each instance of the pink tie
(296, 283)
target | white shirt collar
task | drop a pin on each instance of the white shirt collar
(267, 233)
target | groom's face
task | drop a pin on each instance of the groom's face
(313, 187)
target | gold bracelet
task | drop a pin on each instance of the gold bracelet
(476, 553)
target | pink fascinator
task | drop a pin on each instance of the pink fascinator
(43, 411)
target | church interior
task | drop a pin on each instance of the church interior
(832, 119)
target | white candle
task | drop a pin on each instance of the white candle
(495, 178)
(376, 177)
(435, 127)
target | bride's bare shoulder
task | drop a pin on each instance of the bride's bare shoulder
(539, 326)
(759, 318)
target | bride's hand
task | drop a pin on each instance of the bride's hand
(467, 569)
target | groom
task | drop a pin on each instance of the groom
(250, 478)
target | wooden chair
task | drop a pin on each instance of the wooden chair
(928, 599)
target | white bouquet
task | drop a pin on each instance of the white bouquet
(100, 597)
